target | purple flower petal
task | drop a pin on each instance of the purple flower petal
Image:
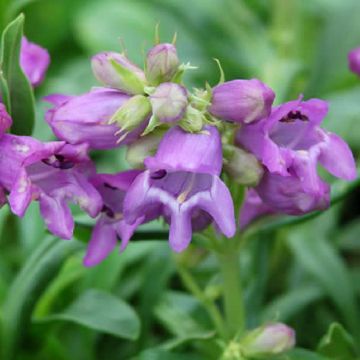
(252, 209)
(57, 216)
(85, 118)
(179, 150)
(337, 158)
(34, 60)
(103, 241)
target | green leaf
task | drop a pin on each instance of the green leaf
(161, 354)
(291, 303)
(20, 101)
(300, 354)
(102, 312)
(175, 313)
(337, 344)
(324, 264)
(28, 285)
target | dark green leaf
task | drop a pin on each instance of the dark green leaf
(29, 284)
(161, 354)
(286, 306)
(300, 354)
(21, 99)
(322, 262)
(102, 312)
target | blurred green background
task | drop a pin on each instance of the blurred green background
(306, 275)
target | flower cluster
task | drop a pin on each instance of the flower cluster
(185, 147)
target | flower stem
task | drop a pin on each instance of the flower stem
(208, 304)
(232, 292)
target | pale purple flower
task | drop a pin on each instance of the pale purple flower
(111, 224)
(241, 101)
(183, 177)
(162, 63)
(354, 60)
(5, 119)
(130, 80)
(52, 173)
(291, 144)
(85, 118)
(292, 195)
(169, 102)
(34, 61)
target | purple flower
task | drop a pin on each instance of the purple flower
(5, 119)
(292, 195)
(52, 173)
(290, 143)
(169, 102)
(116, 71)
(85, 118)
(183, 177)
(354, 60)
(111, 224)
(34, 61)
(162, 63)
(252, 209)
(241, 101)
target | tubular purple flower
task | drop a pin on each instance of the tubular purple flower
(52, 173)
(111, 224)
(291, 136)
(169, 102)
(242, 101)
(34, 61)
(354, 61)
(290, 143)
(183, 177)
(117, 71)
(162, 63)
(5, 119)
(292, 195)
(85, 118)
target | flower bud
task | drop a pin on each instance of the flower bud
(169, 102)
(116, 71)
(242, 101)
(268, 340)
(193, 120)
(162, 63)
(139, 150)
(130, 115)
(354, 60)
(243, 167)
(5, 119)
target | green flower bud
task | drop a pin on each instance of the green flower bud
(131, 114)
(162, 63)
(243, 167)
(116, 71)
(169, 102)
(268, 340)
(193, 121)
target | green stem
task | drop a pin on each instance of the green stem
(208, 304)
(232, 292)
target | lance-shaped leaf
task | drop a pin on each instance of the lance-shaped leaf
(15, 87)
